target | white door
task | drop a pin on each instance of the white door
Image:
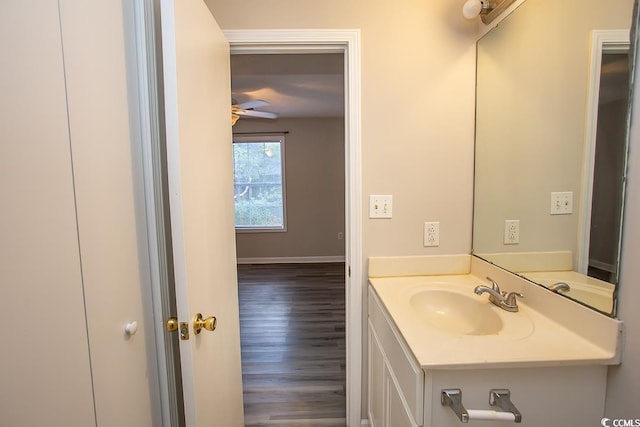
(45, 377)
(198, 123)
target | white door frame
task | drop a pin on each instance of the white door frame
(602, 41)
(149, 99)
(347, 42)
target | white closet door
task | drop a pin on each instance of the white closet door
(100, 64)
(45, 377)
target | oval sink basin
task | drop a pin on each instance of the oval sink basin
(456, 313)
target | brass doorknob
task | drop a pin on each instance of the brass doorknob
(172, 324)
(199, 322)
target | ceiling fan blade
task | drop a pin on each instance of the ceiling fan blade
(260, 114)
(256, 103)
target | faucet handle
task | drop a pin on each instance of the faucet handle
(494, 285)
(511, 298)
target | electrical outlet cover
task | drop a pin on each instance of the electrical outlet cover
(431, 234)
(511, 231)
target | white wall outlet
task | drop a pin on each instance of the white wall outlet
(380, 206)
(562, 203)
(431, 234)
(511, 231)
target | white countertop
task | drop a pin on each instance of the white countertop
(528, 337)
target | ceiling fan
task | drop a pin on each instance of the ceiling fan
(248, 109)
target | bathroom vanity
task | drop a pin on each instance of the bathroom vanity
(429, 333)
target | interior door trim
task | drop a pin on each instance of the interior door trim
(152, 146)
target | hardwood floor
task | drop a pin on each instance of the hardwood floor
(292, 329)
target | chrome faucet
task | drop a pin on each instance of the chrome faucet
(560, 287)
(504, 300)
(495, 295)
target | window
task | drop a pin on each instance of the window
(258, 168)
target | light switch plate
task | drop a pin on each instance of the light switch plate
(380, 206)
(562, 203)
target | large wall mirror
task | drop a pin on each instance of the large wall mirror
(552, 99)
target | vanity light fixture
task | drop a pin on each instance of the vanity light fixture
(486, 9)
(473, 8)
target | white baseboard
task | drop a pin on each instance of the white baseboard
(602, 265)
(364, 422)
(291, 260)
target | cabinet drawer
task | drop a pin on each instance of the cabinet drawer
(407, 372)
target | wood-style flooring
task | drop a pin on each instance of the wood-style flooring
(292, 330)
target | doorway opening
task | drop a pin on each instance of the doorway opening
(289, 194)
(345, 43)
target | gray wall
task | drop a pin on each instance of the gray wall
(314, 173)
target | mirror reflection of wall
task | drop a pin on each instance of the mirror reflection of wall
(533, 77)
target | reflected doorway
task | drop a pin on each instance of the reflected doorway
(605, 156)
(609, 167)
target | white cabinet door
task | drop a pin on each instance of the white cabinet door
(376, 381)
(197, 101)
(386, 406)
(397, 416)
(45, 378)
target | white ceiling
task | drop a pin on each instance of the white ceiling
(294, 85)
